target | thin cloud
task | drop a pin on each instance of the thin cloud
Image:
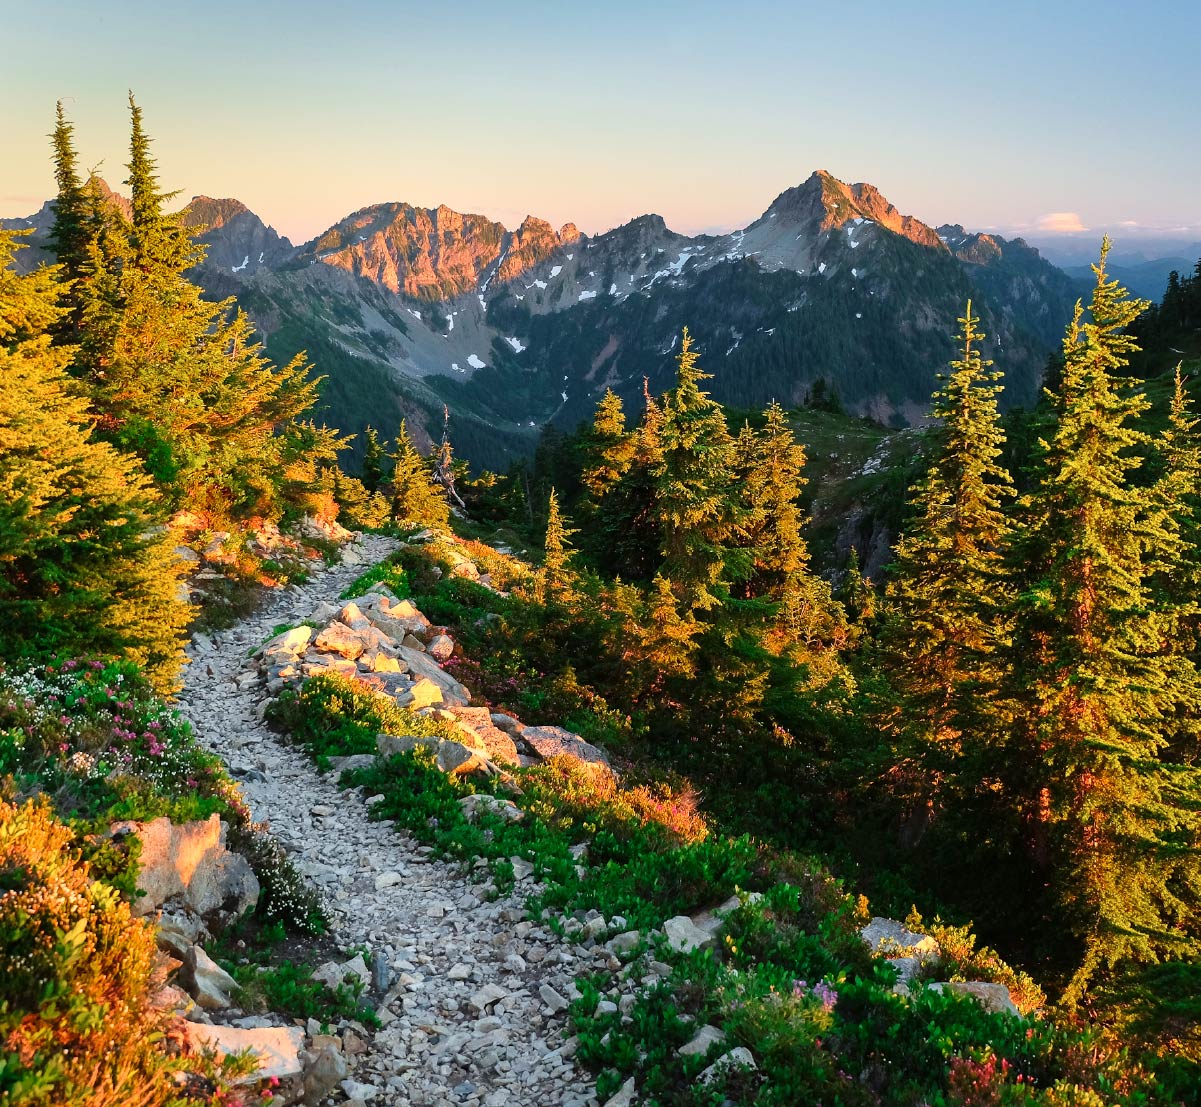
(1060, 222)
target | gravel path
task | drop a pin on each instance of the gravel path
(474, 1014)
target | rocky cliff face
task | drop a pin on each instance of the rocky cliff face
(433, 254)
(236, 239)
(405, 307)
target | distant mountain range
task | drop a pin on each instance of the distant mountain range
(407, 308)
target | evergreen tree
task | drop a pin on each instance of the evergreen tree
(69, 233)
(1174, 560)
(772, 464)
(445, 466)
(158, 240)
(554, 579)
(620, 473)
(666, 646)
(857, 595)
(373, 461)
(697, 500)
(176, 379)
(810, 624)
(417, 500)
(948, 626)
(1118, 826)
(84, 564)
(609, 449)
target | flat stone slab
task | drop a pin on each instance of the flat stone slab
(277, 1048)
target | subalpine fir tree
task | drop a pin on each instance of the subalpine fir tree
(609, 450)
(176, 379)
(948, 620)
(619, 471)
(373, 461)
(554, 578)
(1117, 827)
(772, 465)
(1174, 561)
(445, 466)
(666, 647)
(85, 566)
(417, 500)
(158, 239)
(697, 499)
(69, 234)
(856, 593)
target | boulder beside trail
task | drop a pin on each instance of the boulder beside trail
(189, 863)
(555, 741)
(276, 1048)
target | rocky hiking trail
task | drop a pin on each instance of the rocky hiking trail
(470, 993)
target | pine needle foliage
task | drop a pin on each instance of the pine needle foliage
(417, 500)
(555, 578)
(697, 499)
(948, 601)
(176, 379)
(1117, 825)
(85, 566)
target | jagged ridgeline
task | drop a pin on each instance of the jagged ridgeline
(406, 308)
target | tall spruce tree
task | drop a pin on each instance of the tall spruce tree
(417, 499)
(373, 461)
(1116, 826)
(948, 600)
(609, 450)
(619, 472)
(69, 233)
(810, 623)
(554, 579)
(176, 379)
(84, 565)
(697, 500)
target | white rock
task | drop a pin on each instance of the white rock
(701, 1041)
(739, 1057)
(684, 936)
(277, 1049)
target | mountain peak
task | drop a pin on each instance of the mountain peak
(212, 214)
(833, 203)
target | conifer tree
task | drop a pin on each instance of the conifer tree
(810, 623)
(1118, 827)
(1174, 563)
(948, 599)
(417, 500)
(619, 471)
(84, 565)
(856, 594)
(176, 379)
(444, 460)
(772, 465)
(609, 449)
(667, 645)
(373, 461)
(697, 500)
(69, 234)
(554, 579)
(158, 240)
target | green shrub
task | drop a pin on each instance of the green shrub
(334, 716)
(76, 1024)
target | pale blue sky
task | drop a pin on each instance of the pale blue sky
(987, 113)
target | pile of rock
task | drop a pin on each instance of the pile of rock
(377, 639)
(388, 645)
(910, 952)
